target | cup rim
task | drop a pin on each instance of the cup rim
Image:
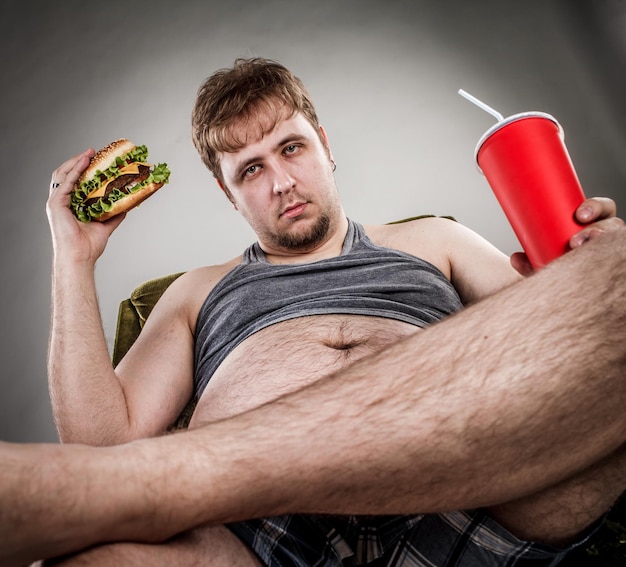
(508, 120)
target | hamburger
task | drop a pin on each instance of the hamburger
(117, 179)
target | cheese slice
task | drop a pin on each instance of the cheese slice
(131, 168)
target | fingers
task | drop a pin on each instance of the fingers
(596, 208)
(521, 263)
(68, 173)
(113, 222)
(62, 183)
(61, 186)
(594, 230)
(599, 216)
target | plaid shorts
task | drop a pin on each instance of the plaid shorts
(455, 539)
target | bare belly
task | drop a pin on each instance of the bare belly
(289, 355)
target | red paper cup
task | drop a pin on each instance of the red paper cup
(527, 165)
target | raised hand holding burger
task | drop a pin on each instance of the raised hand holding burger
(117, 179)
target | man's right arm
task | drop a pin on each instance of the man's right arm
(91, 403)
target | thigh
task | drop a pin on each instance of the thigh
(205, 546)
(559, 514)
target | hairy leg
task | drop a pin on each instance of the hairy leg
(557, 515)
(510, 397)
(205, 545)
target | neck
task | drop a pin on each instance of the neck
(330, 247)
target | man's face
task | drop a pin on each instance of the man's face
(283, 185)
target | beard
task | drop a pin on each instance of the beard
(307, 240)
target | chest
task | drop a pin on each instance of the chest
(383, 283)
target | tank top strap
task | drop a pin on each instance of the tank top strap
(254, 255)
(355, 234)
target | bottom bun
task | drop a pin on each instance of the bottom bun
(130, 201)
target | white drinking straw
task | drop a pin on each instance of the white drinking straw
(481, 104)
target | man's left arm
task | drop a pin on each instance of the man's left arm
(478, 269)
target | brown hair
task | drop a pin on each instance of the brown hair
(255, 88)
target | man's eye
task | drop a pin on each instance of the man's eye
(251, 170)
(290, 149)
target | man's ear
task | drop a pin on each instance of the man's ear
(326, 143)
(226, 192)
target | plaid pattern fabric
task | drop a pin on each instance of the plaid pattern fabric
(455, 539)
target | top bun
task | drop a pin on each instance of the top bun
(105, 158)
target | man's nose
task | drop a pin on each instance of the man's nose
(283, 181)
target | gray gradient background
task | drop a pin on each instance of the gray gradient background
(384, 75)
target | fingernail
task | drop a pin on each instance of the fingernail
(585, 213)
(580, 238)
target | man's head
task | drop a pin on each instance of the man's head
(252, 90)
(256, 129)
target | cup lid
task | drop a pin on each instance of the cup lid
(508, 120)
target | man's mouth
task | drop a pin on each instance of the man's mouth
(294, 210)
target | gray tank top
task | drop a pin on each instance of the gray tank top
(365, 279)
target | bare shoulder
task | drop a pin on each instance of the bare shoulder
(206, 277)
(474, 266)
(187, 293)
(418, 233)
(428, 238)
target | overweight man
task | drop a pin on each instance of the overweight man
(384, 395)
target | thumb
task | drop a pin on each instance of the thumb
(521, 264)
